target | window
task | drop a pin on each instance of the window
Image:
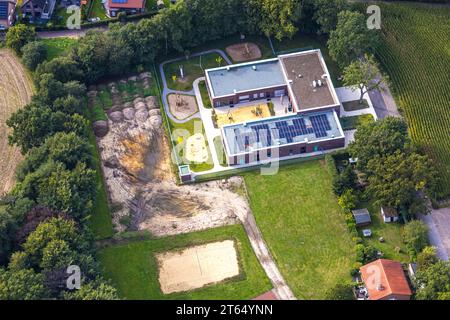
(303, 150)
(255, 96)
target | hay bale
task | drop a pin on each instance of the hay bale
(140, 106)
(114, 108)
(92, 87)
(92, 94)
(128, 113)
(112, 162)
(101, 128)
(154, 112)
(155, 121)
(128, 105)
(116, 116)
(145, 75)
(141, 115)
(152, 102)
(137, 100)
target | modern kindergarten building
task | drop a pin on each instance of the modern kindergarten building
(310, 123)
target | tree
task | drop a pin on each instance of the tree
(377, 139)
(351, 38)
(364, 74)
(66, 148)
(326, 14)
(415, 236)
(18, 36)
(34, 53)
(340, 291)
(347, 200)
(366, 254)
(22, 285)
(433, 283)
(94, 290)
(345, 180)
(397, 179)
(62, 68)
(426, 258)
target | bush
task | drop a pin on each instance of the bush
(415, 235)
(347, 179)
(354, 271)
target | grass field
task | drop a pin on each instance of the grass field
(303, 226)
(133, 269)
(204, 93)
(193, 68)
(415, 52)
(58, 46)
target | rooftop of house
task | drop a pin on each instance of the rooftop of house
(126, 4)
(389, 211)
(228, 80)
(384, 278)
(361, 216)
(302, 70)
(280, 131)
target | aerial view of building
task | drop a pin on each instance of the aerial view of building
(113, 7)
(7, 10)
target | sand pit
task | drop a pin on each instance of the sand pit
(243, 51)
(182, 106)
(242, 114)
(197, 266)
(196, 150)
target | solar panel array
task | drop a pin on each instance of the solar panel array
(119, 1)
(264, 133)
(3, 10)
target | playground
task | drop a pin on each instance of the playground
(182, 106)
(196, 149)
(227, 116)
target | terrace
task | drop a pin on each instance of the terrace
(280, 131)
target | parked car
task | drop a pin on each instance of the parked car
(95, 19)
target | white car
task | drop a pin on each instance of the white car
(96, 19)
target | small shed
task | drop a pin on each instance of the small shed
(389, 214)
(185, 173)
(362, 217)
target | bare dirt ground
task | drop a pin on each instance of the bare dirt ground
(142, 189)
(195, 267)
(243, 51)
(16, 90)
(182, 106)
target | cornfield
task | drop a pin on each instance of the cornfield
(415, 52)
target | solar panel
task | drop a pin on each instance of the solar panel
(119, 1)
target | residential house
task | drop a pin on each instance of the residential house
(389, 214)
(113, 7)
(7, 8)
(38, 9)
(385, 280)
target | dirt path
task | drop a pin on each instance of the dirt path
(16, 90)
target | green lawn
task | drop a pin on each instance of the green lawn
(180, 132)
(204, 93)
(58, 46)
(391, 232)
(133, 269)
(303, 226)
(301, 42)
(100, 221)
(221, 154)
(350, 123)
(193, 68)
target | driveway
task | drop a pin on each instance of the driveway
(383, 103)
(439, 231)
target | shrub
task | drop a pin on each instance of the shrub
(33, 53)
(415, 235)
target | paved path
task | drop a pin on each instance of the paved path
(383, 103)
(439, 231)
(280, 287)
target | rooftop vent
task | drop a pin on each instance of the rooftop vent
(228, 68)
(314, 83)
(254, 68)
(380, 287)
(324, 76)
(319, 83)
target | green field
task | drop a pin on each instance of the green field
(415, 52)
(133, 269)
(193, 68)
(205, 95)
(303, 226)
(58, 46)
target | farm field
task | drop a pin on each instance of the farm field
(303, 226)
(133, 268)
(16, 89)
(415, 52)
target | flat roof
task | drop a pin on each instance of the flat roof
(228, 80)
(279, 131)
(301, 69)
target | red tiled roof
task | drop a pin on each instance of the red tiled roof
(130, 4)
(384, 278)
(269, 295)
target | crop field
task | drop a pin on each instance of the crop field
(415, 52)
(16, 89)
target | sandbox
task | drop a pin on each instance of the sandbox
(243, 51)
(197, 266)
(195, 149)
